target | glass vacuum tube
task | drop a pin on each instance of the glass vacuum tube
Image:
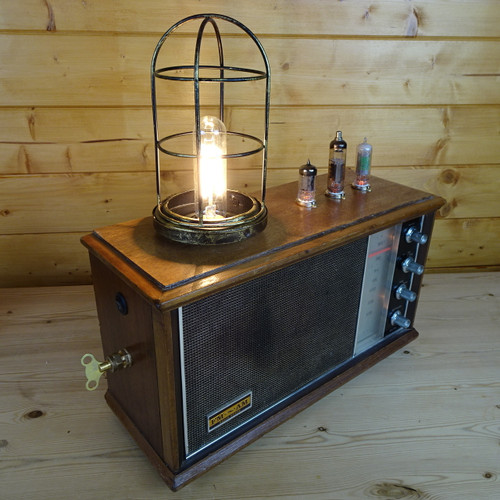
(306, 195)
(210, 170)
(336, 168)
(363, 165)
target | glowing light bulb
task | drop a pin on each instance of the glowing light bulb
(210, 179)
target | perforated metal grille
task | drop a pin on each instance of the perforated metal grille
(271, 336)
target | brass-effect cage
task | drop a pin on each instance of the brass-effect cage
(179, 216)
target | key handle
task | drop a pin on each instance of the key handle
(95, 369)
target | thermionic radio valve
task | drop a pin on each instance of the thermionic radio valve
(363, 166)
(306, 196)
(336, 168)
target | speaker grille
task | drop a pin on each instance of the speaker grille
(270, 336)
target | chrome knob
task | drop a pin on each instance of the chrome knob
(398, 319)
(410, 266)
(413, 234)
(404, 293)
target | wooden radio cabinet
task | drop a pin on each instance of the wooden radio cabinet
(223, 343)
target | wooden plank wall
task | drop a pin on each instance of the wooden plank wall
(420, 78)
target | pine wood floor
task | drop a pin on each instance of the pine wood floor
(423, 424)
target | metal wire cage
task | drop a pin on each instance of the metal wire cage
(209, 213)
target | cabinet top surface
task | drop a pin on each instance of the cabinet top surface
(153, 263)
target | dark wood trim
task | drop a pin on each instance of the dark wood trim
(169, 390)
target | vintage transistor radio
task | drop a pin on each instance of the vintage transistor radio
(207, 348)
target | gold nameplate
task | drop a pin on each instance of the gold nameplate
(228, 412)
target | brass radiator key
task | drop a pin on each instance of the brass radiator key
(94, 369)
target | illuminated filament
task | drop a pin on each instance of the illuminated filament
(210, 179)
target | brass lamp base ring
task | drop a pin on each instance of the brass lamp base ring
(175, 219)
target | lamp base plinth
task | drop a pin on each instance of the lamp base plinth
(175, 219)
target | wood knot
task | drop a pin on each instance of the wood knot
(51, 21)
(34, 414)
(5, 213)
(369, 11)
(392, 490)
(285, 66)
(413, 23)
(449, 176)
(448, 208)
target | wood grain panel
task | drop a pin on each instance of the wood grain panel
(322, 17)
(400, 135)
(418, 78)
(49, 140)
(80, 202)
(74, 202)
(470, 191)
(106, 70)
(117, 155)
(465, 243)
(43, 259)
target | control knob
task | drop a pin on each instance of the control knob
(402, 292)
(413, 234)
(410, 266)
(398, 319)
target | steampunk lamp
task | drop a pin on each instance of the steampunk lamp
(210, 212)
(194, 382)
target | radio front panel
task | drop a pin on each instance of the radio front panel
(253, 348)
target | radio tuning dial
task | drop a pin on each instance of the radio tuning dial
(413, 234)
(398, 319)
(410, 266)
(404, 293)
